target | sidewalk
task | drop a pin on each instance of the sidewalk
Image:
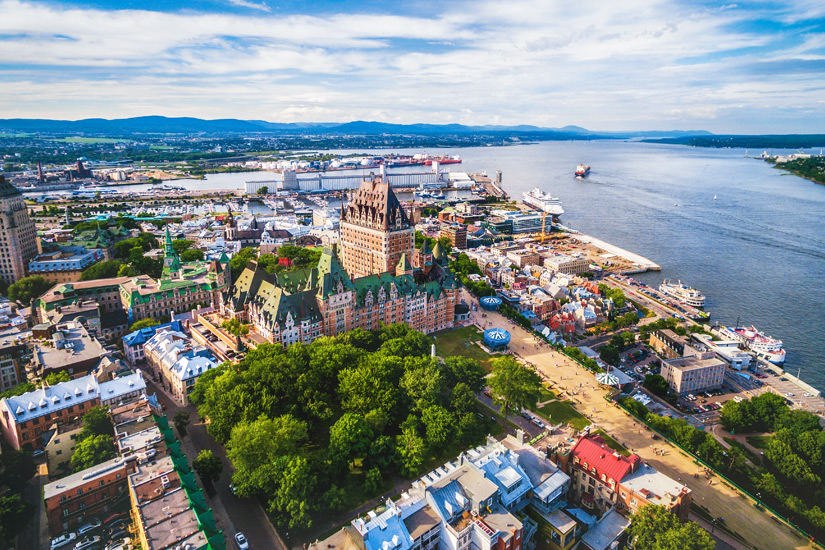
(719, 534)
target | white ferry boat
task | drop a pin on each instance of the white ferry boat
(764, 346)
(543, 201)
(683, 293)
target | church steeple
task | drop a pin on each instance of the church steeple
(171, 260)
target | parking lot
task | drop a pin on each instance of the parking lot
(110, 533)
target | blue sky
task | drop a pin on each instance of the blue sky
(747, 67)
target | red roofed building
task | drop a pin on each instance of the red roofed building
(596, 471)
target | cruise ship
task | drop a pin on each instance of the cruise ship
(582, 170)
(764, 346)
(683, 293)
(543, 201)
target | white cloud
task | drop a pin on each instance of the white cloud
(251, 5)
(603, 65)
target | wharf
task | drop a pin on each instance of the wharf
(640, 263)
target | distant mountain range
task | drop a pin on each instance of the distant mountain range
(188, 125)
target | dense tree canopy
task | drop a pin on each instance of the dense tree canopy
(334, 410)
(654, 528)
(96, 422)
(144, 323)
(28, 288)
(513, 385)
(92, 450)
(101, 270)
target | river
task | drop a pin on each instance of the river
(757, 252)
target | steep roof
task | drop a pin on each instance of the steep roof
(331, 274)
(438, 252)
(591, 450)
(403, 264)
(375, 205)
(7, 189)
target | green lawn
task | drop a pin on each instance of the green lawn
(759, 441)
(546, 395)
(461, 342)
(612, 443)
(563, 411)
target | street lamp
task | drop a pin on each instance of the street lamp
(758, 499)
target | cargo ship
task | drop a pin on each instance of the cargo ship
(443, 159)
(763, 346)
(683, 293)
(582, 170)
(543, 201)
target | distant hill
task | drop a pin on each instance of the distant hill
(786, 141)
(189, 125)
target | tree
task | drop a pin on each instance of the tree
(101, 270)
(17, 469)
(656, 384)
(181, 420)
(192, 255)
(238, 262)
(127, 271)
(179, 245)
(637, 409)
(56, 378)
(410, 449)
(513, 385)
(381, 453)
(264, 190)
(208, 466)
(28, 288)
(91, 451)
(654, 528)
(14, 513)
(439, 425)
(144, 323)
(235, 327)
(295, 484)
(335, 499)
(96, 422)
(350, 437)
(373, 481)
(610, 355)
(254, 447)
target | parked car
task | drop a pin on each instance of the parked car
(120, 544)
(88, 527)
(88, 542)
(240, 539)
(62, 540)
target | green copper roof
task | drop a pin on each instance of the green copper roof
(438, 252)
(425, 247)
(403, 264)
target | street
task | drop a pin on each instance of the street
(233, 514)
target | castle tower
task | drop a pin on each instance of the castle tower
(375, 230)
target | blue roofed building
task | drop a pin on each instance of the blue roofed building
(134, 341)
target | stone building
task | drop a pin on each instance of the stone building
(18, 236)
(375, 230)
(327, 300)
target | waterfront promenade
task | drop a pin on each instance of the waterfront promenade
(741, 516)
